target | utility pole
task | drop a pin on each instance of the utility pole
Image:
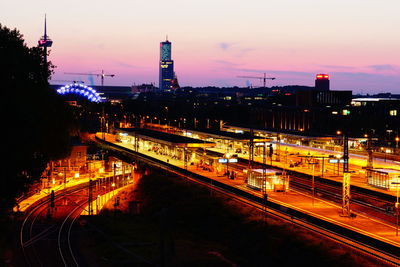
(397, 204)
(278, 147)
(264, 182)
(90, 197)
(313, 180)
(251, 149)
(346, 195)
(345, 153)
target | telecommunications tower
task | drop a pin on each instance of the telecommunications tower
(45, 41)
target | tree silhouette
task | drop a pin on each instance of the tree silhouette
(36, 121)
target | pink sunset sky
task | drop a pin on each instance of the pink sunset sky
(214, 41)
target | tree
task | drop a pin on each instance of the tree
(36, 121)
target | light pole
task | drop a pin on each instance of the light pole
(397, 139)
(313, 181)
(113, 186)
(227, 156)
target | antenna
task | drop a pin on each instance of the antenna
(45, 27)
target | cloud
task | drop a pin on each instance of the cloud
(126, 65)
(279, 72)
(336, 67)
(225, 46)
(226, 63)
(383, 67)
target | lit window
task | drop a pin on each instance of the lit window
(393, 112)
(346, 112)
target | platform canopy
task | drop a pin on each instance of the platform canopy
(166, 138)
(216, 134)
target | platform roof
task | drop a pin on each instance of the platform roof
(226, 135)
(166, 138)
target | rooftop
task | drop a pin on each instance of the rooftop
(166, 138)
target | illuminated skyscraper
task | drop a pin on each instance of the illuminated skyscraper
(322, 82)
(166, 65)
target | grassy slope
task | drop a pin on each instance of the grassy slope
(199, 230)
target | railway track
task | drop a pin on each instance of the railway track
(46, 233)
(39, 229)
(64, 243)
(386, 251)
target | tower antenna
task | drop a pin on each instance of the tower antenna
(45, 41)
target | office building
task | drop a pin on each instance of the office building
(322, 82)
(166, 66)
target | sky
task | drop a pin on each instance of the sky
(213, 41)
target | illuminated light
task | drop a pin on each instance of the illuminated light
(80, 89)
(322, 76)
(346, 112)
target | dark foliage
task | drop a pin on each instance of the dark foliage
(37, 123)
(239, 231)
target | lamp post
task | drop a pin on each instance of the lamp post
(113, 186)
(227, 156)
(313, 181)
(397, 139)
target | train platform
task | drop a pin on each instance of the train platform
(71, 181)
(302, 202)
(357, 179)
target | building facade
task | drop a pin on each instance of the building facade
(166, 66)
(322, 82)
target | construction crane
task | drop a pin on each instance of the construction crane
(264, 78)
(102, 75)
(67, 81)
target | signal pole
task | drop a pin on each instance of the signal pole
(90, 197)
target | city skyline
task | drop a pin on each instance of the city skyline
(216, 42)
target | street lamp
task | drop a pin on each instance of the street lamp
(313, 181)
(227, 156)
(113, 185)
(397, 139)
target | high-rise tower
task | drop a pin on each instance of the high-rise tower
(45, 41)
(322, 82)
(166, 65)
